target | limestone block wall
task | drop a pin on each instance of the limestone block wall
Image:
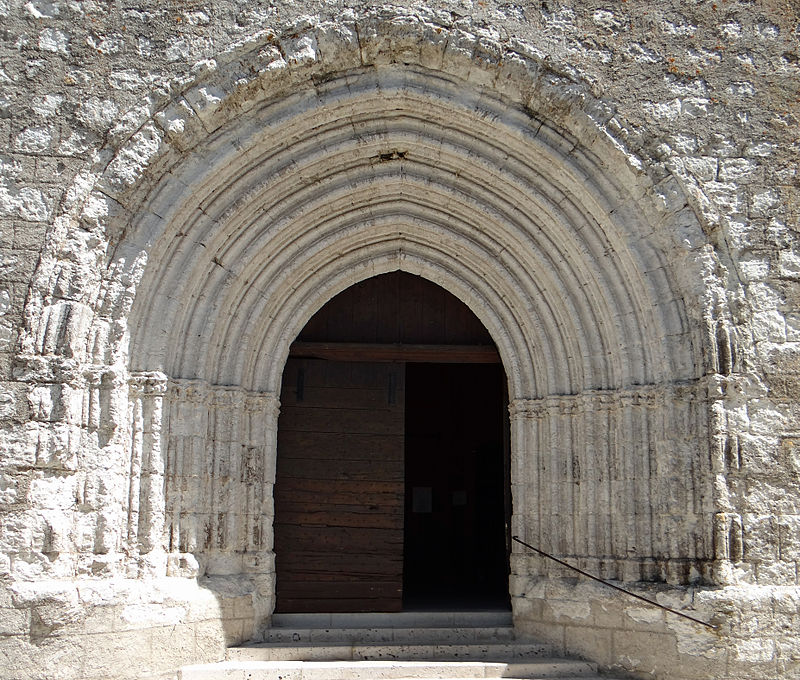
(612, 189)
(619, 632)
(124, 628)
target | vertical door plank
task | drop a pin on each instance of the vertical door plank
(339, 488)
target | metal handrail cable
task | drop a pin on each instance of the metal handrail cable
(611, 585)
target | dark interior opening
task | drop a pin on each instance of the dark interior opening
(392, 485)
(455, 473)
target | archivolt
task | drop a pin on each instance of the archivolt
(399, 167)
(265, 190)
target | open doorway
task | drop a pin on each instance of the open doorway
(392, 487)
(455, 481)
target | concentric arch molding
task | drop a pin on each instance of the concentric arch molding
(401, 168)
(306, 161)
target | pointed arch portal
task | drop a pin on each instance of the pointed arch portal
(549, 235)
(392, 456)
(178, 270)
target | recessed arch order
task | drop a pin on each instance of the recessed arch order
(392, 168)
(556, 243)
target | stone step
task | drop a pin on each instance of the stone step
(404, 646)
(389, 670)
(420, 619)
(428, 635)
(498, 651)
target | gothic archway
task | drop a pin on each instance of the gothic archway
(231, 199)
(391, 487)
(400, 168)
(294, 191)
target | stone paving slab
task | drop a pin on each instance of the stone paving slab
(385, 670)
(432, 635)
(428, 619)
(347, 652)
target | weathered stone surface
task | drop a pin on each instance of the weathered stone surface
(612, 189)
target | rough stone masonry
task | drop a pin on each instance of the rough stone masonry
(610, 186)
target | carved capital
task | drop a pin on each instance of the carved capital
(527, 408)
(148, 383)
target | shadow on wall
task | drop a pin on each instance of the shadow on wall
(121, 628)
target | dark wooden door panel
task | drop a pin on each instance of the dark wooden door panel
(339, 487)
(359, 543)
(340, 420)
(356, 398)
(342, 590)
(343, 491)
(396, 307)
(347, 468)
(455, 461)
(328, 564)
(372, 517)
(337, 446)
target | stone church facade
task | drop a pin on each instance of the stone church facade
(611, 188)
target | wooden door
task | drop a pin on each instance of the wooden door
(339, 487)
